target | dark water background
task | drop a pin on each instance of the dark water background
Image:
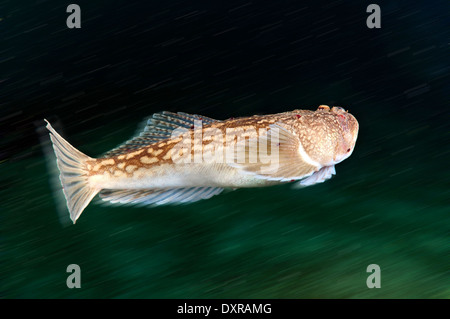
(387, 205)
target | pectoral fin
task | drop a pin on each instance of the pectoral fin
(277, 155)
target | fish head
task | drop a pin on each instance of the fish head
(328, 135)
(348, 128)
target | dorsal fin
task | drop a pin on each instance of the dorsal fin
(159, 127)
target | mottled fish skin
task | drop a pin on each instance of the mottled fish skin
(327, 136)
(307, 143)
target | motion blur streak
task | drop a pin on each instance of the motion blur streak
(387, 205)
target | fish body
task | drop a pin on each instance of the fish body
(181, 158)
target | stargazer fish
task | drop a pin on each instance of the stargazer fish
(182, 158)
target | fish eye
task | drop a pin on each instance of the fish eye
(348, 150)
(324, 107)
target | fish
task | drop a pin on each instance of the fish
(183, 158)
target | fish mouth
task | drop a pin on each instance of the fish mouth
(341, 157)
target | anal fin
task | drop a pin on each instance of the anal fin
(145, 197)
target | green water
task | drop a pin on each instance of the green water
(389, 203)
(385, 206)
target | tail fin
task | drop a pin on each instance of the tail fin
(73, 174)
